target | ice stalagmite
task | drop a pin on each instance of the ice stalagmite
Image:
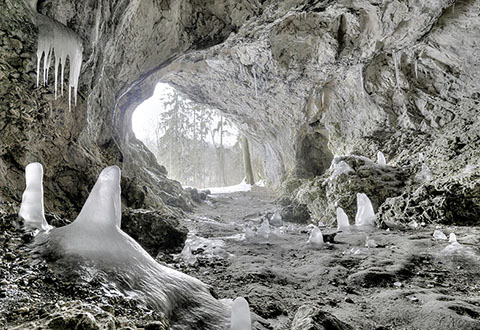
(240, 319)
(95, 238)
(365, 214)
(381, 158)
(57, 41)
(31, 209)
(452, 238)
(316, 237)
(342, 219)
(264, 229)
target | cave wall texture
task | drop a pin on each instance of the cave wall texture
(305, 80)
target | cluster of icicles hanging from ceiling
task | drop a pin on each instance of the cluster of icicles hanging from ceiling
(57, 42)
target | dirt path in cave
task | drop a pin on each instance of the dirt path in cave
(409, 281)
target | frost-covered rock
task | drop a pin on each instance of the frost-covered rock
(240, 319)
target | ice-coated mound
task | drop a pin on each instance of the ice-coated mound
(95, 238)
(365, 214)
(31, 209)
(240, 319)
(342, 219)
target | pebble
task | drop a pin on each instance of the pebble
(349, 300)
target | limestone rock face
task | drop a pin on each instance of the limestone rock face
(339, 188)
(154, 230)
(330, 77)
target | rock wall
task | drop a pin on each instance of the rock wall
(304, 80)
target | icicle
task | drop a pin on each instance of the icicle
(255, 81)
(56, 40)
(323, 98)
(395, 63)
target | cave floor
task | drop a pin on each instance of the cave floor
(409, 281)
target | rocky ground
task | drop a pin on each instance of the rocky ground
(408, 281)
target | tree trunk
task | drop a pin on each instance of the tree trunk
(247, 162)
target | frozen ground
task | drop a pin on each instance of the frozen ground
(409, 281)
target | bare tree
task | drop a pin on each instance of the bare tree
(247, 161)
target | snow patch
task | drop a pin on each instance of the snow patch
(243, 186)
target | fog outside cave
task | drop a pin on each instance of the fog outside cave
(198, 145)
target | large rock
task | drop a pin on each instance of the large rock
(347, 176)
(453, 203)
(309, 317)
(156, 231)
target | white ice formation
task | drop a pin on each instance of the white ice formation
(452, 238)
(370, 243)
(342, 219)
(381, 158)
(240, 319)
(365, 214)
(276, 219)
(339, 167)
(31, 209)
(316, 237)
(438, 234)
(424, 175)
(96, 236)
(56, 41)
(264, 229)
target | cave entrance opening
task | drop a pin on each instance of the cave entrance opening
(197, 144)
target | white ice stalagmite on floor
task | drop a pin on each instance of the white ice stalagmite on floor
(381, 158)
(439, 235)
(365, 213)
(57, 41)
(240, 319)
(95, 238)
(264, 230)
(342, 219)
(31, 209)
(316, 237)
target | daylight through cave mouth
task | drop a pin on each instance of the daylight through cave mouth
(197, 144)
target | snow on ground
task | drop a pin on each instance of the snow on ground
(243, 186)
